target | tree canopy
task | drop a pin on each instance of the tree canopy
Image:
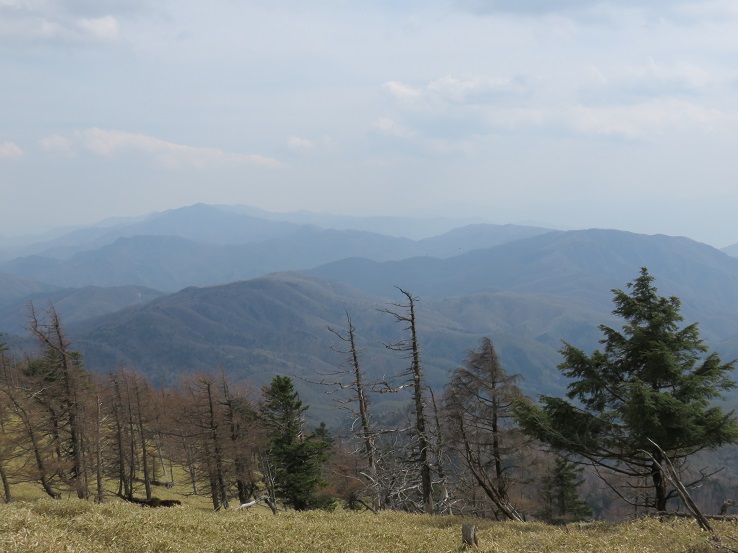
(653, 382)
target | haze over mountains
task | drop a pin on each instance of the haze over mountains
(205, 288)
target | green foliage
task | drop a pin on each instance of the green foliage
(297, 460)
(560, 492)
(653, 380)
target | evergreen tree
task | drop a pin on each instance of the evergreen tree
(560, 493)
(297, 460)
(653, 383)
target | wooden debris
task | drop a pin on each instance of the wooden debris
(469, 535)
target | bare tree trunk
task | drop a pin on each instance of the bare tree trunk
(98, 452)
(268, 472)
(473, 465)
(213, 481)
(367, 435)
(6, 484)
(236, 445)
(124, 488)
(416, 376)
(659, 482)
(43, 472)
(38, 456)
(159, 445)
(132, 442)
(496, 453)
(142, 433)
(52, 337)
(362, 399)
(440, 455)
(190, 466)
(217, 446)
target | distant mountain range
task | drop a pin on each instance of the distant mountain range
(203, 245)
(206, 288)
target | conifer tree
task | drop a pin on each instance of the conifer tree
(652, 383)
(478, 405)
(560, 493)
(297, 459)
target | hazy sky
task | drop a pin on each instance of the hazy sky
(567, 113)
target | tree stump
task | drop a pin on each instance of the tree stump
(469, 535)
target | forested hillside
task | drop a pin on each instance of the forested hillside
(529, 295)
(469, 441)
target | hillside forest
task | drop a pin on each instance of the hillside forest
(477, 445)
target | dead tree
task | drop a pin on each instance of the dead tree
(404, 313)
(439, 451)
(356, 403)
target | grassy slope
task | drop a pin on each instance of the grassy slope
(72, 525)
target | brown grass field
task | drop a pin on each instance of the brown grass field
(72, 525)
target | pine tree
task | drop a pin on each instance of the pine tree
(652, 385)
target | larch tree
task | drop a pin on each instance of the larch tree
(8, 443)
(479, 406)
(653, 382)
(204, 413)
(244, 437)
(61, 379)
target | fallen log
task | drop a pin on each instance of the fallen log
(726, 518)
(153, 502)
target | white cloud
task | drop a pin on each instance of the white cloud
(581, 7)
(648, 120)
(93, 8)
(39, 20)
(630, 101)
(10, 150)
(105, 28)
(690, 13)
(449, 90)
(637, 83)
(476, 89)
(111, 143)
(58, 144)
(298, 143)
(388, 127)
(401, 91)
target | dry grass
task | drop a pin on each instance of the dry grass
(76, 526)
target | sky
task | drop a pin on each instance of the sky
(561, 113)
